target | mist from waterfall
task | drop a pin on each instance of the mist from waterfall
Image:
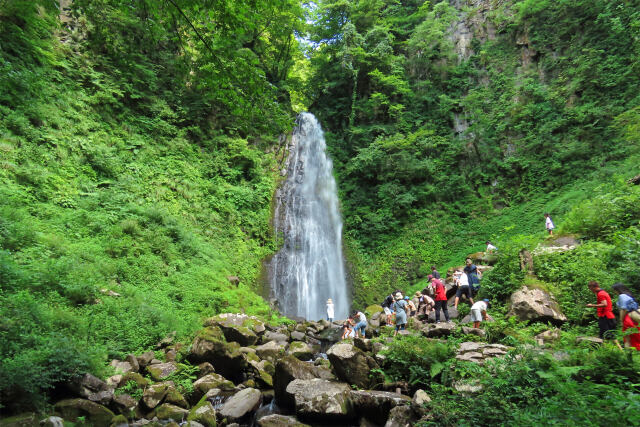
(309, 267)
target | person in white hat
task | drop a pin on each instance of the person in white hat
(330, 310)
(400, 307)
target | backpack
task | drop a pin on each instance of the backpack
(633, 305)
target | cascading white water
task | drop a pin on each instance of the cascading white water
(309, 267)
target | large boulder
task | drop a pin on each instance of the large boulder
(376, 405)
(277, 420)
(241, 405)
(154, 394)
(401, 416)
(352, 365)
(288, 368)
(162, 371)
(238, 328)
(321, 400)
(535, 305)
(210, 346)
(438, 330)
(272, 350)
(167, 411)
(93, 413)
(87, 385)
(212, 381)
(203, 413)
(124, 403)
(300, 350)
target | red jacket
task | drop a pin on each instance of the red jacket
(441, 292)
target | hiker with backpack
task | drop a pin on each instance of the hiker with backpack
(626, 303)
(400, 307)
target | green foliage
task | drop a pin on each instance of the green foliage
(417, 360)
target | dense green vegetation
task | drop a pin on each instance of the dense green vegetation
(441, 141)
(133, 159)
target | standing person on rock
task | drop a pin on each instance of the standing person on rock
(330, 310)
(548, 223)
(479, 312)
(400, 307)
(434, 272)
(473, 276)
(361, 324)
(463, 287)
(441, 298)
(606, 319)
(387, 304)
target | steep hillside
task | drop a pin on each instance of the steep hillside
(136, 175)
(455, 122)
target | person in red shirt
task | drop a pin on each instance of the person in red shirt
(606, 319)
(440, 297)
(631, 340)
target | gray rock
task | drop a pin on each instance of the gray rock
(87, 385)
(277, 420)
(167, 411)
(279, 336)
(124, 403)
(203, 413)
(204, 369)
(241, 405)
(102, 397)
(154, 394)
(211, 346)
(438, 330)
(52, 422)
(297, 336)
(145, 358)
(363, 344)
(376, 405)
(420, 397)
(272, 350)
(133, 361)
(212, 381)
(401, 416)
(162, 370)
(535, 305)
(300, 350)
(479, 352)
(121, 367)
(287, 369)
(591, 340)
(238, 328)
(321, 400)
(474, 331)
(352, 365)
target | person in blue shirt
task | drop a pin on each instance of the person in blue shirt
(626, 303)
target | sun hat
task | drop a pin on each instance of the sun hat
(418, 293)
(329, 300)
(398, 296)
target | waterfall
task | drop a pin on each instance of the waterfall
(309, 267)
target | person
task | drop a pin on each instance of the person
(330, 310)
(400, 307)
(479, 312)
(425, 303)
(441, 298)
(361, 324)
(386, 306)
(347, 329)
(490, 248)
(473, 276)
(606, 319)
(631, 339)
(626, 303)
(548, 223)
(463, 287)
(411, 307)
(434, 272)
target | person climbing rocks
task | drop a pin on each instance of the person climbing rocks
(473, 276)
(330, 310)
(361, 323)
(490, 247)
(434, 272)
(606, 319)
(626, 303)
(413, 310)
(347, 329)
(479, 312)
(425, 303)
(387, 304)
(400, 307)
(441, 298)
(548, 223)
(462, 280)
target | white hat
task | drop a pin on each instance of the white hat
(329, 301)
(398, 296)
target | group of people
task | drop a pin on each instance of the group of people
(629, 313)
(398, 308)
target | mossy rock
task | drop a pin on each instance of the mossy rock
(167, 411)
(203, 413)
(94, 413)
(373, 309)
(21, 420)
(119, 421)
(140, 381)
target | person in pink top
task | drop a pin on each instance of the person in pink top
(440, 297)
(606, 318)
